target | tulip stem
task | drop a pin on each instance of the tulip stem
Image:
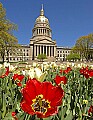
(41, 118)
(33, 117)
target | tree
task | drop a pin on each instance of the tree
(8, 42)
(73, 56)
(84, 45)
(41, 57)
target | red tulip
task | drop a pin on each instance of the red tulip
(86, 72)
(91, 73)
(14, 115)
(66, 71)
(18, 79)
(58, 79)
(90, 111)
(42, 99)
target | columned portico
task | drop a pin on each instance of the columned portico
(44, 49)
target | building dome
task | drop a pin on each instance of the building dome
(42, 26)
(42, 18)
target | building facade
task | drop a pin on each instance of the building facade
(40, 43)
(62, 53)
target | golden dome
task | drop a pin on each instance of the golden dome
(42, 18)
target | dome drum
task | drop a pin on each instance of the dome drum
(42, 31)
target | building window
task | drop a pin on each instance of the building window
(48, 32)
(10, 53)
(27, 54)
(63, 55)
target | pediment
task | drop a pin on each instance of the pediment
(44, 41)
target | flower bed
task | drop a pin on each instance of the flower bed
(46, 91)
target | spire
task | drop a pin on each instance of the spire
(42, 6)
(42, 11)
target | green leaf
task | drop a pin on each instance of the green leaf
(21, 116)
(4, 106)
(2, 71)
(69, 116)
(8, 117)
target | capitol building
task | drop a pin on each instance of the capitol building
(40, 43)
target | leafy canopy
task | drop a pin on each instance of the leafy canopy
(42, 57)
(7, 40)
(84, 45)
(73, 56)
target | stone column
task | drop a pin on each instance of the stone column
(44, 31)
(40, 49)
(34, 50)
(51, 50)
(41, 31)
(33, 53)
(55, 52)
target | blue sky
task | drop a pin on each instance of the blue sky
(69, 19)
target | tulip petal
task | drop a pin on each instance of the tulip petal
(25, 107)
